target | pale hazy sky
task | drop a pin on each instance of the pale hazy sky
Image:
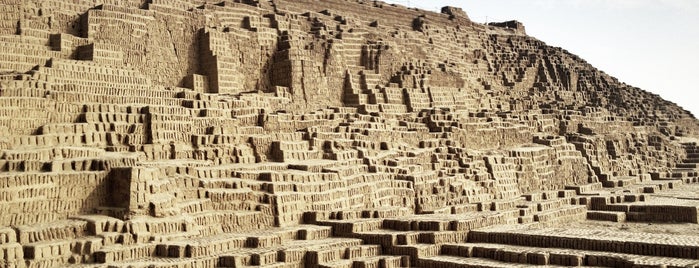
(650, 44)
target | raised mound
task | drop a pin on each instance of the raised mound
(335, 133)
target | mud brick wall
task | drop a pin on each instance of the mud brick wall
(186, 132)
(51, 197)
(582, 239)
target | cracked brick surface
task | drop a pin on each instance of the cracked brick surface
(279, 133)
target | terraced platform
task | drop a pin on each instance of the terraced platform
(245, 133)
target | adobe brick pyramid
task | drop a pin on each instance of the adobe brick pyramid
(335, 133)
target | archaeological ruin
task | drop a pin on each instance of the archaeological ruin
(326, 133)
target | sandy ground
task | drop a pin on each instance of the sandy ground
(641, 227)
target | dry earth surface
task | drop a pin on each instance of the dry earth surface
(335, 133)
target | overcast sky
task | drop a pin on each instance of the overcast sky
(651, 44)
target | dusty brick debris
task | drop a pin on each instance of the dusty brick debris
(334, 133)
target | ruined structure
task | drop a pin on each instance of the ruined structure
(334, 133)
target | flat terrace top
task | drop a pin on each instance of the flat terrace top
(598, 233)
